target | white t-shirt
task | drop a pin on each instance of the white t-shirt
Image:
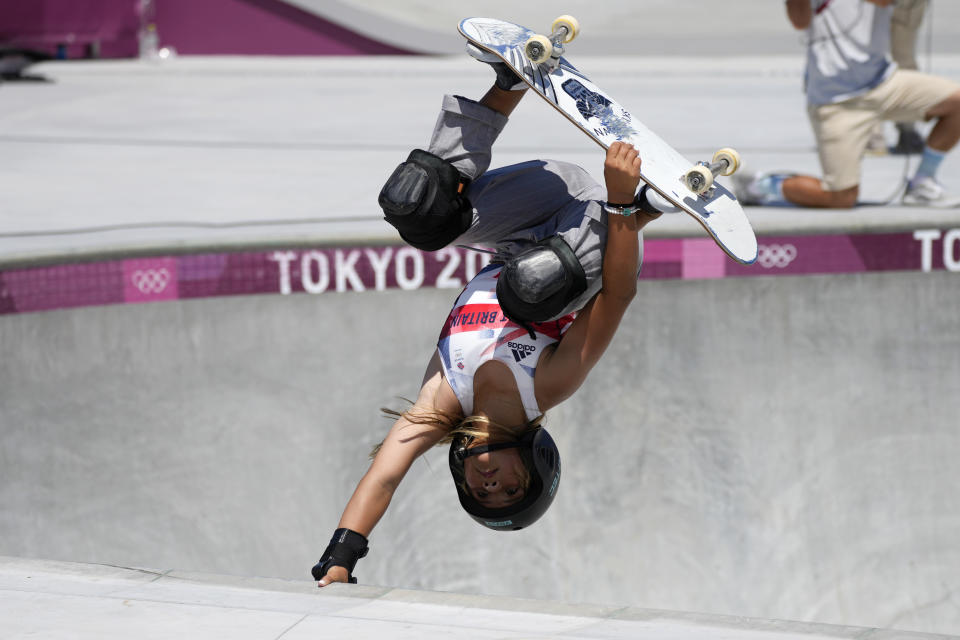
(477, 331)
(847, 51)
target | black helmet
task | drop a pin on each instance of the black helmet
(541, 458)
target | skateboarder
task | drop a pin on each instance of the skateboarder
(524, 333)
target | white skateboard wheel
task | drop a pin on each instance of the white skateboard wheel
(538, 49)
(698, 179)
(572, 25)
(731, 157)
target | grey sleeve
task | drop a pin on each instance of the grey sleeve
(464, 134)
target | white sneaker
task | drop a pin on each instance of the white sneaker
(742, 183)
(754, 188)
(482, 55)
(927, 192)
(506, 78)
(660, 203)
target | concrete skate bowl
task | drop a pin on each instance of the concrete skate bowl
(778, 441)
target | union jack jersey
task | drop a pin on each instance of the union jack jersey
(477, 331)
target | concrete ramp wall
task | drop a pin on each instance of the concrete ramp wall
(766, 447)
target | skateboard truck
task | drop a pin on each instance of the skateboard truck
(699, 179)
(547, 50)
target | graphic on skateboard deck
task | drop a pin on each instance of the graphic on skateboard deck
(539, 60)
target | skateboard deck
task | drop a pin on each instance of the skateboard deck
(602, 118)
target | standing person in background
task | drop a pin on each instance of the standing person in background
(904, 26)
(851, 84)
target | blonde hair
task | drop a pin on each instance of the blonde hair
(481, 429)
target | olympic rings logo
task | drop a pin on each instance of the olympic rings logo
(151, 280)
(776, 255)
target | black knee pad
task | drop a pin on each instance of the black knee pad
(424, 200)
(538, 283)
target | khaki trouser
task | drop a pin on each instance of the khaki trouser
(843, 129)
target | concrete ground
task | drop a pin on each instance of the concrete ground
(43, 599)
(782, 448)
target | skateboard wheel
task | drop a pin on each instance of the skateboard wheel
(572, 25)
(538, 49)
(698, 179)
(730, 156)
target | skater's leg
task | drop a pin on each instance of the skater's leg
(466, 130)
(501, 101)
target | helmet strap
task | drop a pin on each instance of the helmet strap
(463, 453)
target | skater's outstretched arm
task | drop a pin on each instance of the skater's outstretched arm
(588, 337)
(405, 442)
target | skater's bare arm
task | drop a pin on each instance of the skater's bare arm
(590, 334)
(405, 442)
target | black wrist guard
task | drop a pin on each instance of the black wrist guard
(345, 548)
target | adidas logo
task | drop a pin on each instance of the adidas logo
(519, 355)
(521, 351)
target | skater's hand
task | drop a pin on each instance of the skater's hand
(335, 574)
(621, 171)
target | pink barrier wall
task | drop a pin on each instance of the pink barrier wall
(70, 28)
(111, 28)
(255, 27)
(336, 270)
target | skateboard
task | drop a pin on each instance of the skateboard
(692, 187)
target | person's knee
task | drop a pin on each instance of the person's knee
(948, 107)
(844, 198)
(541, 282)
(425, 200)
